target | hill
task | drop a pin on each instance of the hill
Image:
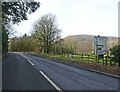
(85, 43)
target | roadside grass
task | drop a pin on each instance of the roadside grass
(76, 58)
(82, 62)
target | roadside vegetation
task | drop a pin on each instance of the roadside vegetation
(78, 61)
(14, 13)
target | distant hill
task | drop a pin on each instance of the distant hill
(85, 43)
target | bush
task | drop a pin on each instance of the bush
(115, 51)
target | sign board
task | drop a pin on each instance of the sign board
(100, 45)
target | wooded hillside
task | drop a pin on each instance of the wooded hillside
(85, 43)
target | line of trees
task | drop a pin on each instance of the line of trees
(13, 13)
(21, 44)
(45, 37)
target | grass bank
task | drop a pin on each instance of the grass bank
(78, 62)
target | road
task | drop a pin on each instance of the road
(27, 72)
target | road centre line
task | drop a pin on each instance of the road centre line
(22, 56)
(51, 82)
(27, 59)
(30, 62)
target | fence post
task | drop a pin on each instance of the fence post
(110, 61)
(96, 58)
(88, 57)
(82, 56)
(105, 60)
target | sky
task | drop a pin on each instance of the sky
(76, 17)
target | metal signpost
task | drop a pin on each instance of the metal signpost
(100, 46)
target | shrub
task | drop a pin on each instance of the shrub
(115, 51)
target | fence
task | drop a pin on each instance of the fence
(105, 60)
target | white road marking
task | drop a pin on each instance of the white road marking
(30, 62)
(22, 56)
(27, 59)
(54, 85)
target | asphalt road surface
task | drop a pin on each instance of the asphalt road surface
(27, 72)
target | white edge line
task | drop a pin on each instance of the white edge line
(56, 87)
(30, 62)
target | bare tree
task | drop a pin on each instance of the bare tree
(46, 31)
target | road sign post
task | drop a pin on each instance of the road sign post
(100, 46)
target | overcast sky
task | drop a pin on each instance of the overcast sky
(75, 17)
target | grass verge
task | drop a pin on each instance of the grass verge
(115, 70)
